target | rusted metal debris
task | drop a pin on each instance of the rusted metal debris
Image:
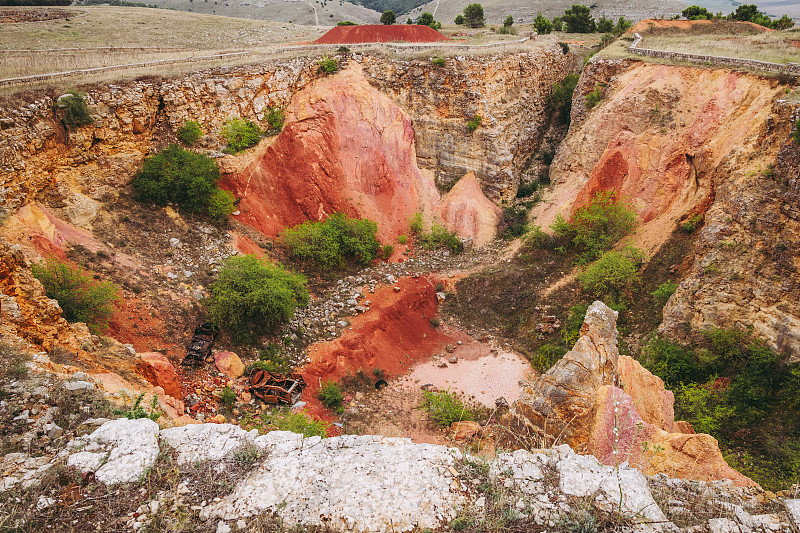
(199, 351)
(277, 388)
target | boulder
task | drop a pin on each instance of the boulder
(229, 364)
(158, 370)
(608, 405)
(465, 430)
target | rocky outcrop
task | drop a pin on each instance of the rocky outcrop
(656, 137)
(745, 267)
(608, 405)
(27, 313)
(345, 147)
(508, 91)
(158, 370)
(467, 212)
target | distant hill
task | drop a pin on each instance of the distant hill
(398, 6)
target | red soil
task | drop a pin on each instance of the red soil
(133, 323)
(376, 33)
(393, 335)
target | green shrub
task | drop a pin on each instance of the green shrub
(183, 177)
(594, 97)
(663, 292)
(415, 224)
(527, 189)
(221, 204)
(543, 25)
(546, 356)
(189, 133)
(596, 226)
(300, 423)
(460, 20)
(558, 25)
(328, 65)
(331, 396)
(691, 223)
(227, 397)
(796, 132)
(613, 272)
(445, 407)
(76, 110)
(251, 296)
(240, 134)
(473, 124)
(438, 61)
(513, 223)
(672, 363)
(343, 50)
(81, 298)
(247, 455)
(331, 243)
(346, 23)
(137, 411)
(704, 407)
(606, 39)
(560, 98)
(387, 251)
(272, 359)
(275, 117)
(440, 237)
(402, 239)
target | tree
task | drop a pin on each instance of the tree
(426, 19)
(473, 15)
(783, 23)
(388, 18)
(697, 13)
(605, 25)
(459, 20)
(251, 296)
(578, 19)
(622, 26)
(542, 25)
(76, 111)
(558, 24)
(745, 12)
(509, 21)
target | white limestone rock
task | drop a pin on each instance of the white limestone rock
(350, 483)
(119, 451)
(206, 442)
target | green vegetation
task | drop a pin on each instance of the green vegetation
(189, 133)
(183, 177)
(744, 12)
(733, 387)
(509, 20)
(438, 61)
(440, 237)
(595, 227)
(546, 356)
(76, 110)
(527, 189)
(402, 239)
(343, 50)
(240, 134)
(460, 20)
(275, 117)
(426, 19)
(138, 411)
(300, 423)
(81, 298)
(388, 18)
(330, 244)
(346, 23)
(697, 13)
(272, 359)
(445, 407)
(227, 397)
(386, 251)
(398, 6)
(578, 19)
(605, 25)
(560, 98)
(594, 97)
(796, 132)
(252, 297)
(328, 65)
(473, 124)
(331, 396)
(663, 292)
(613, 272)
(514, 222)
(691, 223)
(558, 25)
(542, 25)
(415, 224)
(473, 16)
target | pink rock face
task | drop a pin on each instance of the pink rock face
(157, 369)
(229, 364)
(467, 212)
(653, 402)
(345, 147)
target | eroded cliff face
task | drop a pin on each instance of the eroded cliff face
(509, 93)
(657, 136)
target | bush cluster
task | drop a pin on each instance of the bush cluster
(81, 298)
(612, 272)
(331, 396)
(438, 61)
(546, 356)
(76, 110)
(473, 124)
(560, 98)
(595, 227)
(333, 242)
(440, 237)
(275, 117)
(328, 65)
(252, 297)
(189, 133)
(240, 134)
(445, 407)
(185, 178)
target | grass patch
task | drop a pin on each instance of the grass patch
(445, 407)
(189, 133)
(333, 243)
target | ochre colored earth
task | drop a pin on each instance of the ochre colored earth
(378, 33)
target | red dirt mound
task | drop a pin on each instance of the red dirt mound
(376, 33)
(394, 334)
